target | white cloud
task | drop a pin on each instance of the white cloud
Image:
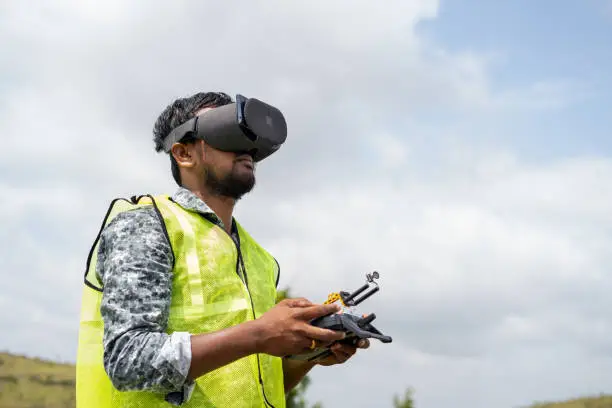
(469, 274)
(486, 260)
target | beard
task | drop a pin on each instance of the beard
(234, 184)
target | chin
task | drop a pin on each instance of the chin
(245, 177)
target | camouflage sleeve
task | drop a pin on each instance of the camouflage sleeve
(135, 267)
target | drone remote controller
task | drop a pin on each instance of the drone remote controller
(355, 327)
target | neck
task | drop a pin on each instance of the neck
(222, 206)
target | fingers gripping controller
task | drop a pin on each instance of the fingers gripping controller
(355, 327)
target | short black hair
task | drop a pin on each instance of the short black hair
(179, 112)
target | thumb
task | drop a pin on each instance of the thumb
(314, 311)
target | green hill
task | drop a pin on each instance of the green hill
(34, 383)
(602, 401)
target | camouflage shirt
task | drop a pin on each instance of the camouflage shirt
(135, 267)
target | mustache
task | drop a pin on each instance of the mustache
(244, 156)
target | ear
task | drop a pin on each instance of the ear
(185, 155)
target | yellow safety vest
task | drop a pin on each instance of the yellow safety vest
(207, 295)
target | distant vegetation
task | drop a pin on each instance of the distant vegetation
(602, 401)
(34, 383)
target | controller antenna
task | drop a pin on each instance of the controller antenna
(349, 298)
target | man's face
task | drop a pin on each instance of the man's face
(227, 174)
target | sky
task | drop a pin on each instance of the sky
(460, 148)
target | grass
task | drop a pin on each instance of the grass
(34, 383)
(602, 401)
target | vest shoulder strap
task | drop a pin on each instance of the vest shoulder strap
(116, 207)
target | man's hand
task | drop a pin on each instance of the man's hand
(295, 370)
(285, 329)
(342, 352)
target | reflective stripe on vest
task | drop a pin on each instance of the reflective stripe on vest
(208, 294)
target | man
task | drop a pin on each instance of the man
(179, 302)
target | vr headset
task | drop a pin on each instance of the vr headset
(245, 126)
